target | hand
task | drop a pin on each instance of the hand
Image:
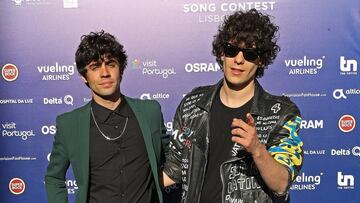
(245, 134)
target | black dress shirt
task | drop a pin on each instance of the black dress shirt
(119, 169)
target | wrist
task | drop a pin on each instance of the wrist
(258, 153)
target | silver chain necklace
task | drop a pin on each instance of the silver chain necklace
(106, 137)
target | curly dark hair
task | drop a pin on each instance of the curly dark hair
(99, 45)
(250, 28)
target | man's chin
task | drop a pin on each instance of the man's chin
(235, 85)
(238, 84)
(112, 96)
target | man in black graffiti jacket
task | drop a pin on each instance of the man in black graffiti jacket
(233, 141)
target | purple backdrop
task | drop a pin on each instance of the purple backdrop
(169, 48)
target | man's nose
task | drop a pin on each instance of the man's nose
(239, 58)
(104, 70)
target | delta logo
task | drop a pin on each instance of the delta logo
(16, 186)
(347, 123)
(9, 72)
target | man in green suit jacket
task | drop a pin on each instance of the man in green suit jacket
(115, 144)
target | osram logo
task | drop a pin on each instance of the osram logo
(312, 124)
(202, 67)
(345, 181)
(9, 72)
(16, 186)
(346, 123)
(51, 129)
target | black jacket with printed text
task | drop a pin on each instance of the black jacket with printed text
(277, 122)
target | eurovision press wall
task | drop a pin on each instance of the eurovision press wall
(169, 48)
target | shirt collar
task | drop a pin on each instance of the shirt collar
(102, 113)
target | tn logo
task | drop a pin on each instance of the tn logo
(276, 108)
(347, 65)
(345, 180)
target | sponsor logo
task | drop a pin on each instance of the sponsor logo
(346, 123)
(31, 2)
(306, 182)
(17, 158)
(16, 186)
(348, 67)
(345, 181)
(136, 63)
(312, 124)
(9, 72)
(56, 72)
(156, 96)
(48, 129)
(71, 186)
(152, 68)
(17, 101)
(304, 66)
(355, 151)
(67, 99)
(9, 129)
(215, 12)
(315, 152)
(341, 93)
(202, 67)
(303, 94)
(70, 3)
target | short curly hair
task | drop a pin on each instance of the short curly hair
(250, 28)
(99, 45)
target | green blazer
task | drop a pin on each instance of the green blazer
(71, 146)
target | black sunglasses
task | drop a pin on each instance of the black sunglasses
(250, 54)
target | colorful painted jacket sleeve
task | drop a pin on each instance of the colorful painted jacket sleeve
(286, 145)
